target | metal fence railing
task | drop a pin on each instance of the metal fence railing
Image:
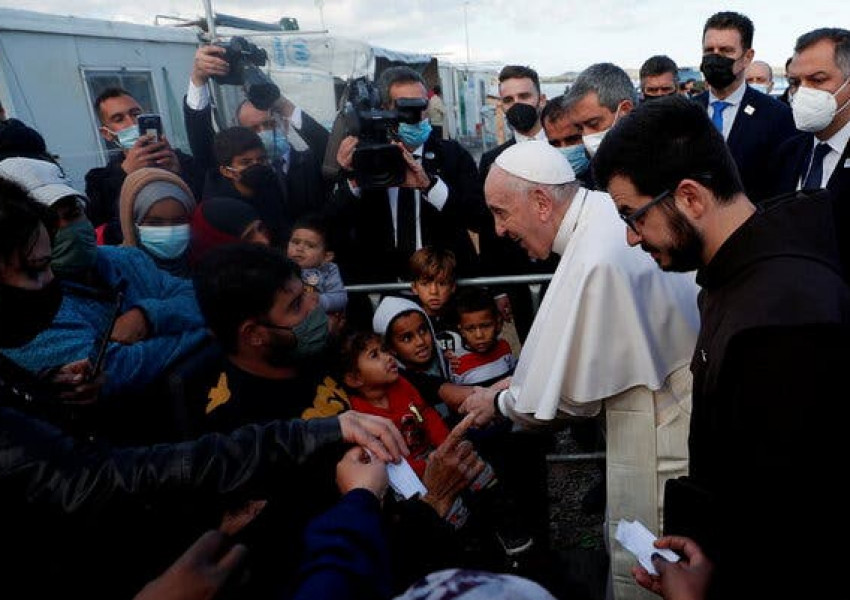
(535, 284)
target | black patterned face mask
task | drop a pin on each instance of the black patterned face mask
(26, 313)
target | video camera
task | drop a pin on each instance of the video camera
(377, 162)
(245, 59)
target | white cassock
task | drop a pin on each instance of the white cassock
(613, 329)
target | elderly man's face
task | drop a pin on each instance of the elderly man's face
(759, 72)
(517, 213)
(255, 119)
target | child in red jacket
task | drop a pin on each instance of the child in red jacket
(377, 389)
(371, 373)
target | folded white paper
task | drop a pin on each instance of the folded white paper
(404, 481)
(637, 539)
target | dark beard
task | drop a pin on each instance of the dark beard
(280, 349)
(687, 249)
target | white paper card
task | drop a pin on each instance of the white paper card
(637, 539)
(404, 481)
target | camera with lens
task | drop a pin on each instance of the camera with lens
(244, 59)
(377, 162)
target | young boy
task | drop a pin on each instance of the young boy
(433, 281)
(483, 358)
(409, 336)
(243, 172)
(308, 247)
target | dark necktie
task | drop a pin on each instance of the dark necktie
(813, 178)
(406, 221)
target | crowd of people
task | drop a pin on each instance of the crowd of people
(195, 406)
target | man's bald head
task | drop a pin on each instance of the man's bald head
(760, 74)
(248, 115)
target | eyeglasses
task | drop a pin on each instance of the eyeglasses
(632, 219)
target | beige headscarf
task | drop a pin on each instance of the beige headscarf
(133, 186)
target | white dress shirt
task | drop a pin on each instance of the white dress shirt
(729, 114)
(837, 143)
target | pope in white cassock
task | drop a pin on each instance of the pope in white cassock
(613, 330)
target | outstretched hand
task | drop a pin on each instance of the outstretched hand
(687, 579)
(209, 62)
(480, 403)
(451, 468)
(377, 434)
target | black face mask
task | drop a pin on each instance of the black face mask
(718, 70)
(654, 98)
(26, 313)
(522, 117)
(258, 177)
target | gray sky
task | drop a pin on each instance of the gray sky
(552, 36)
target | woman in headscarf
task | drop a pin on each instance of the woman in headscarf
(223, 220)
(155, 209)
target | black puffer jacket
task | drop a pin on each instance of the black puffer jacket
(75, 516)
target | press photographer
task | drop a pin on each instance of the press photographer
(268, 113)
(434, 202)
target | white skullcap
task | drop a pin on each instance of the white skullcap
(536, 161)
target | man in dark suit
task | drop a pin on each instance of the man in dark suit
(438, 203)
(819, 157)
(522, 103)
(303, 189)
(753, 124)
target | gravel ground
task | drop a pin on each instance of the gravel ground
(576, 535)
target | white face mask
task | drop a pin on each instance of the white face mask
(759, 87)
(592, 141)
(815, 109)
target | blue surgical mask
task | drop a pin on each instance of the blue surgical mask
(127, 137)
(759, 87)
(578, 158)
(275, 143)
(165, 242)
(414, 136)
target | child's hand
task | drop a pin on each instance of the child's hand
(336, 322)
(454, 360)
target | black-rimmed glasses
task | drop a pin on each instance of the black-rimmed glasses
(632, 218)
